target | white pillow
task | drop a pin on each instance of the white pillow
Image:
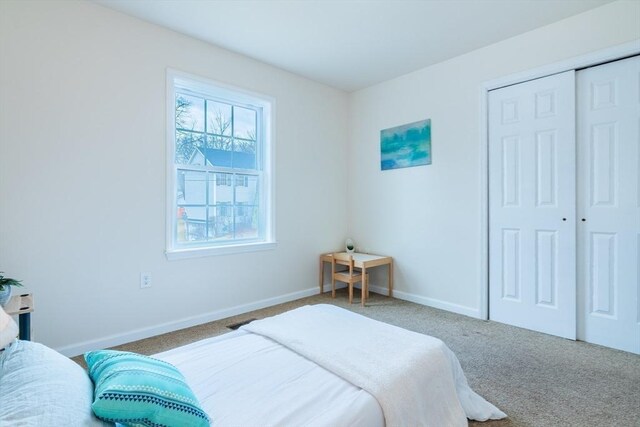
(40, 387)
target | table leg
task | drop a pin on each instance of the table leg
(391, 279)
(365, 285)
(24, 321)
(321, 275)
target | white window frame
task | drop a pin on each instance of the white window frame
(265, 161)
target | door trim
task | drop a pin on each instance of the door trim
(588, 60)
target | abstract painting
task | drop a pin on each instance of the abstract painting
(405, 146)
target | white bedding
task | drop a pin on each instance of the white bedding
(243, 379)
(415, 378)
(246, 379)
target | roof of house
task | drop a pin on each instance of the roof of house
(227, 158)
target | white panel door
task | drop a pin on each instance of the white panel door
(532, 253)
(609, 204)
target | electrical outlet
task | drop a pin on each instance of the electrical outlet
(145, 280)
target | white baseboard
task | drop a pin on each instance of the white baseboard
(339, 285)
(138, 334)
(142, 333)
(430, 302)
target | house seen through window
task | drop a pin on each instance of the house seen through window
(221, 181)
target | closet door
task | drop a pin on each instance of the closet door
(609, 204)
(532, 252)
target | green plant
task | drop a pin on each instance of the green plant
(7, 281)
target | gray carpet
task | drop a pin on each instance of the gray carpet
(537, 379)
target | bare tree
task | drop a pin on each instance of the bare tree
(219, 126)
(186, 142)
(218, 135)
(248, 146)
(182, 109)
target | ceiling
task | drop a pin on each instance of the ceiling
(351, 44)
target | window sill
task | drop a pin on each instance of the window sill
(177, 254)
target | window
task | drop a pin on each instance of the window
(223, 179)
(242, 181)
(220, 184)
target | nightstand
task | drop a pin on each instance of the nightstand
(22, 305)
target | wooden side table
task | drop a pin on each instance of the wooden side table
(22, 305)
(363, 262)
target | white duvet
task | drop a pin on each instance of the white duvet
(325, 366)
(416, 378)
(246, 380)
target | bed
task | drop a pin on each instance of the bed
(322, 366)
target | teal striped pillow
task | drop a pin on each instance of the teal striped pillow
(137, 390)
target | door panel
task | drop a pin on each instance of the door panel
(546, 272)
(546, 160)
(601, 274)
(510, 171)
(511, 264)
(532, 205)
(609, 202)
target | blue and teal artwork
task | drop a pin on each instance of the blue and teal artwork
(406, 146)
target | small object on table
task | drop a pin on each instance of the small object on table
(350, 246)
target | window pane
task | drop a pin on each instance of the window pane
(181, 225)
(191, 187)
(244, 123)
(246, 194)
(218, 118)
(193, 223)
(244, 156)
(218, 151)
(190, 227)
(189, 112)
(191, 190)
(220, 188)
(246, 218)
(189, 148)
(221, 222)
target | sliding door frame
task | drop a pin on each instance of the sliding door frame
(591, 59)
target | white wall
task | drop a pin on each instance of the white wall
(82, 176)
(82, 170)
(428, 217)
